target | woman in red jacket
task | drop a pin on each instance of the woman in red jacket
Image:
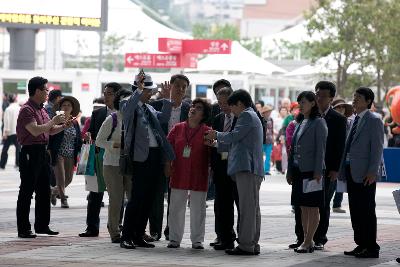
(189, 174)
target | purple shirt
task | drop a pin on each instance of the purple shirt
(31, 112)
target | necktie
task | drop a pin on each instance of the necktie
(228, 123)
(152, 123)
(352, 133)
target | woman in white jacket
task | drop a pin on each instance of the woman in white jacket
(109, 138)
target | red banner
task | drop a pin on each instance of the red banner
(169, 45)
(207, 46)
(139, 60)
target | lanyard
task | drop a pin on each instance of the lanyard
(189, 139)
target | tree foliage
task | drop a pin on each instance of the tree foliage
(361, 34)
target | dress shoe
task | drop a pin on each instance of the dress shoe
(142, 243)
(257, 249)
(319, 246)
(27, 234)
(116, 240)
(89, 233)
(295, 245)
(47, 232)
(216, 240)
(238, 251)
(173, 244)
(148, 238)
(224, 245)
(353, 252)
(128, 244)
(398, 260)
(338, 210)
(366, 254)
(302, 249)
(198, 245)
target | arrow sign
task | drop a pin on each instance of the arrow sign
(207, 46)
(139, 60)
(170, 45)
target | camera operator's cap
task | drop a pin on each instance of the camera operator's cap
(148, 82)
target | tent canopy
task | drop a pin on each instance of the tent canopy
(240, 60)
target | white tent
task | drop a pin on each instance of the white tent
(240, 60)
(124, 19)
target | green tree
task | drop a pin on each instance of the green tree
(359, 33)
(114, 60)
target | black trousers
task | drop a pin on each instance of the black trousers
(157, 211)
(146, 177)
(93, 211)
(362, 212)
(226, 196)
(11, 140)
(34, 168)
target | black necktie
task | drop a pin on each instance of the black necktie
(352, 133)
(150, 119)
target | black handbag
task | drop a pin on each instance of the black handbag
(125, 159)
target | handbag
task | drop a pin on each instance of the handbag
(125, 158)
(86, 160)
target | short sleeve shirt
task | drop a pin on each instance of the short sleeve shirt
(31, 112)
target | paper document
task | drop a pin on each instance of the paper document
(312, 185)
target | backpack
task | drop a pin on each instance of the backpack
(114, 124)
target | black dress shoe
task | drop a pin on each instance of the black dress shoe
(295, 245)
(300, 249)
(224, 246)
(47, 232)
(238, 251)
(366, 254)
(398, 260)
(89, 233)
(353, 252)
(142, 243)
(216, 240)
(27, 234)
(319, 246)
(148, 238)
(128, 244)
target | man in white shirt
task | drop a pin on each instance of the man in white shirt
(9, 134)
(175, 90)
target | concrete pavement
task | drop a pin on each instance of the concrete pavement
(277, 231)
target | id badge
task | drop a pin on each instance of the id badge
(224, 155)
(186, 151)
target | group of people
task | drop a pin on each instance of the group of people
(185, 143)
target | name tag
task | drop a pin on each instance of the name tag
(186, 151)
(224, 155)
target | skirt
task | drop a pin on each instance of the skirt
(298, 198)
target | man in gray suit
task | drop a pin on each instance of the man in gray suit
(245, 166)
(360, 169)
(147, 145)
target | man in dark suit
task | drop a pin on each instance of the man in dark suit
(215, 109)
(360, 169)
(95, 198)
(226, 195)
(336, 123)
(175, 90)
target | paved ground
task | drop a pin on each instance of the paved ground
(69, 250)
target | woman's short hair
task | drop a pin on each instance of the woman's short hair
(206, 108)
(311, 97)
(119, 95)
(242, 96)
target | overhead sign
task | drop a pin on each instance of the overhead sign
(140, 60)
(64, 14)
(207, 46)
(170, 45)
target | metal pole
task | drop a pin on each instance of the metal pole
(101, 35)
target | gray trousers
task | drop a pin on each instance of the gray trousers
(176, 218)
(248, 186)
